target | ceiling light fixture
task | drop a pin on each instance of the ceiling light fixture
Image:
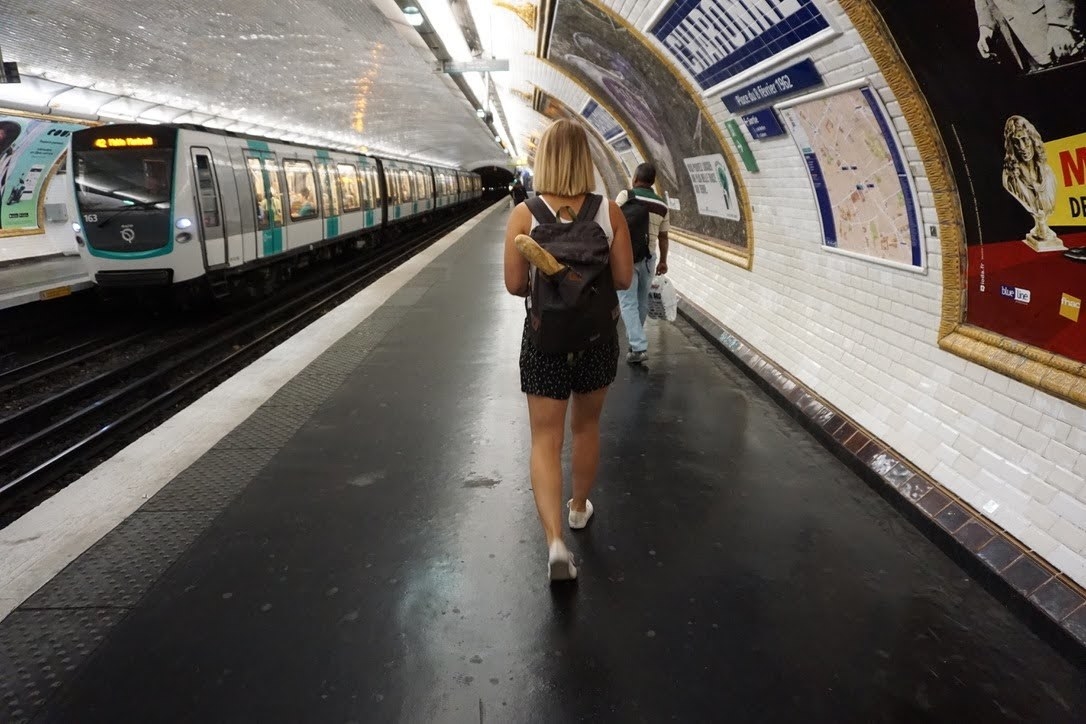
(413, 16)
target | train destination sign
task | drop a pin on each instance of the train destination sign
(124, 142)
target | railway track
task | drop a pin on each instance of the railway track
(55, 437)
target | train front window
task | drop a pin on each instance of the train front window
(115, 179)
(124, 197)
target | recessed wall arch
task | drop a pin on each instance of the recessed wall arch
(718, 243)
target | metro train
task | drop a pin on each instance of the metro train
(169, 205)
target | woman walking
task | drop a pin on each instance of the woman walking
(564, 180)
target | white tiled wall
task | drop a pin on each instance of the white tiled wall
(864, 337)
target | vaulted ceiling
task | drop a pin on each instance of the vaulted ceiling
(350, 73)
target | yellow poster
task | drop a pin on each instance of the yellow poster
(1067, 159)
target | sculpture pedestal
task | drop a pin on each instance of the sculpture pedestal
(1052, 243)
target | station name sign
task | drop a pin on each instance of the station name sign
(787, 82)
(142, 141)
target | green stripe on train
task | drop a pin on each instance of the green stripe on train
(273, 241)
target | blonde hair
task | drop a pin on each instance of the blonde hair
(563, 161)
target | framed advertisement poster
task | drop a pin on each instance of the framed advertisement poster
(867, 204)
(30, 151)
(1007, 121)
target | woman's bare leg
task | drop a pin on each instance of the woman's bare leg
(586, 444)
(548, 422)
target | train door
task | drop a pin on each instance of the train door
(304, 209)
(331, 203)
(209, 208)
(268, 201)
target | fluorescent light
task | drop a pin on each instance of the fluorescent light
(413, 16)
(441, 19)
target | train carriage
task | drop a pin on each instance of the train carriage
(410, 190)
(165, 204)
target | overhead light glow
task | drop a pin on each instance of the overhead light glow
(480, 112)
(413, 16)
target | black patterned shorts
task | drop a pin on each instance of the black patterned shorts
(558, 375)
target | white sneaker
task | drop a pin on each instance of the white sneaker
(579, 519)
(561, 563)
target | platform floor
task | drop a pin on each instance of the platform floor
(41, 279)
(365, 548)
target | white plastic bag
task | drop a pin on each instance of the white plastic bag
(663, 299)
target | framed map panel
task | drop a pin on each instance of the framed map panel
(867, 204)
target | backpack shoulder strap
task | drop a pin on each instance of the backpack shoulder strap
(589, 207)
(539, 210)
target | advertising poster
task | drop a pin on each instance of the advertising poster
(601, 120)
(713, 186)
(29, 149)
(866, 200)
(623, 74)
(718, 40)
(609, 170)
(1003, 79)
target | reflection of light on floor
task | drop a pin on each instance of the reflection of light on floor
(364, 86)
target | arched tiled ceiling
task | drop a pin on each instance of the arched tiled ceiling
(349, 73)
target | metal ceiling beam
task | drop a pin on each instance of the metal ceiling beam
(429, 36)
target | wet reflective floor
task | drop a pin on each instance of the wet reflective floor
(387, 563)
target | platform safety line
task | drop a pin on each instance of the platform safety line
(37, 546)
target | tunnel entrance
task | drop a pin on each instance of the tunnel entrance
(495, 179)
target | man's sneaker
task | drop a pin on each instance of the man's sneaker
(579, 518)
(560, 563)
(636, 358)
(537, 255)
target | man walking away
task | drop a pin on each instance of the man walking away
(646, 215)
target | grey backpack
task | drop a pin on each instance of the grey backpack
(577, 307)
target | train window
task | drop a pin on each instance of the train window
(368, 180)
(300, 185)
(348, 187)
(205, 186)
(407, 194)
(329, 189)
(392, 181)
(266, 193)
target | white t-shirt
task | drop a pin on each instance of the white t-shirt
(603, 218)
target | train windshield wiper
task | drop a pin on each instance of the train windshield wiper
(139, 205)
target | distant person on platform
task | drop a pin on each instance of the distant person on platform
(518, 193)
(646, 216)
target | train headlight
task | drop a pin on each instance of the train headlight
(75, 227)
(184, 237)
(184, 223)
